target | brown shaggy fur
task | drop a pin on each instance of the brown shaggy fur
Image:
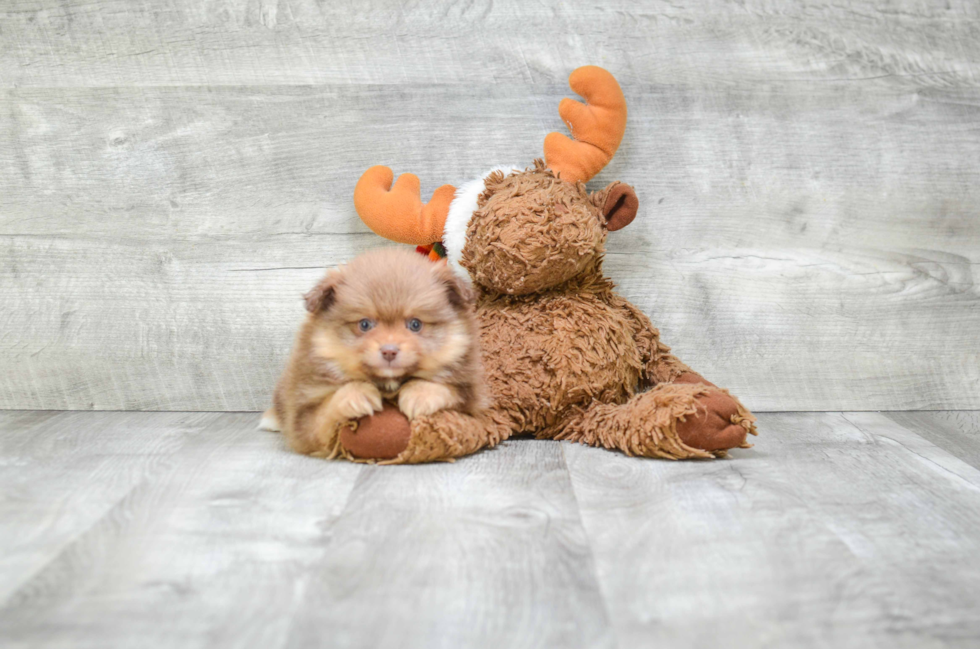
(565, 357)
(339, 371)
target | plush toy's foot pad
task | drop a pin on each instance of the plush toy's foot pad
(715, 426)
(381, 436)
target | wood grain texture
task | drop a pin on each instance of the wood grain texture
(197, 531)
(237, 542)
(957, 433)
(285, 42)
(840, 530)
(210, 549)
(172, 178)
(489, 550)
(63, 472)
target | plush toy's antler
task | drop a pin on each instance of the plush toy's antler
(397, 213)
(597, 126)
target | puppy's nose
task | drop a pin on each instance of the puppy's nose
(388, 352)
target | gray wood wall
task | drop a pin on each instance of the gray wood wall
(173, 175)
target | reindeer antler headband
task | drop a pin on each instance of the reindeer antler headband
(397, 213)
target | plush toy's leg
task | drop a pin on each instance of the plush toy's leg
(381, 436)
(720, 419)
(451, 434)
(672, 420)
(392, 439)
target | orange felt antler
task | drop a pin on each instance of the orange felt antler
(597, 126)
(397, 213)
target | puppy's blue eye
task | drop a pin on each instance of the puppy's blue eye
(365, 325)
(414, 325)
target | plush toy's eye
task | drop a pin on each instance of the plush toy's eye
(365, 325)
(414, 325)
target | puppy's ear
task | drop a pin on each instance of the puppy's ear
(321, 297)
(458, 290)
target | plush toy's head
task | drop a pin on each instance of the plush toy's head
(520, 231)
(532, 231)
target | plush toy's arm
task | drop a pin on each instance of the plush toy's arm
(659, 365)
(388, 436)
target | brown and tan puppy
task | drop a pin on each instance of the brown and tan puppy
(390, 325)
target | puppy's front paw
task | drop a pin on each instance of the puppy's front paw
(355, 400)
(420, 398)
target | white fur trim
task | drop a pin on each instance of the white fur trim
(460, 212)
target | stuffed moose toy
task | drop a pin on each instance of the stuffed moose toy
(564, 356)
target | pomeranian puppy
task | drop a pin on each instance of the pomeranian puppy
(388, 325)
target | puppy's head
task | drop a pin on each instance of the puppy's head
(390, 315)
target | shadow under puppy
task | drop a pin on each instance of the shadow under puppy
(389, 325)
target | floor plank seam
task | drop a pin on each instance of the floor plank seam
(592, 556)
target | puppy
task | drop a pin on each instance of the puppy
(389, 325)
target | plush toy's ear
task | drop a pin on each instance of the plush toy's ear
(618, 204)
(458, 290)
(321, 297)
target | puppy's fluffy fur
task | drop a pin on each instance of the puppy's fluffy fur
(389, 325)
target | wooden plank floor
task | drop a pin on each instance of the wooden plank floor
(195, 530)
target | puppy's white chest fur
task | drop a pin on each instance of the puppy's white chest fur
(389, 388)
